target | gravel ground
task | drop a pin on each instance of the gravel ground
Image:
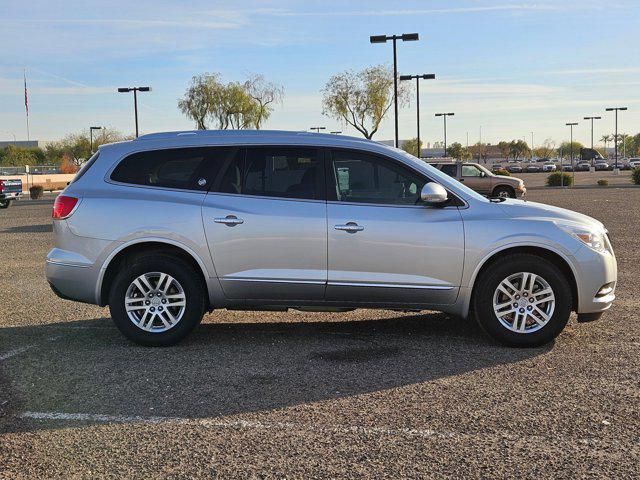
(273, 395)
(581, 178)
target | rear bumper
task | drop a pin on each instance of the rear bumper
(71, 281)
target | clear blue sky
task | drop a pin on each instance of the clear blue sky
(511, 66)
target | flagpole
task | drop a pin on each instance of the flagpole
(26, 103)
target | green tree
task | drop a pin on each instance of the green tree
(77, 146)
(518, 148)
(504, 148)
(565, 148)
(361, 99)
(411, 147)
(456, 150)
(233, 105)
(12, 156)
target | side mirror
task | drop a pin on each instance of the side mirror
(433, 194)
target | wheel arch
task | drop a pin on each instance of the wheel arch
(125, 252)
(542, 251)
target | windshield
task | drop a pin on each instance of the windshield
(439, 176)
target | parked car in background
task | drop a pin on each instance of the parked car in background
(634, 162)
(514, 169)
(481, 180)
(532, 168)
(601, 165)
(567, 168)
(549, 167)
(169, 226)
(10, 190)
(583, 167)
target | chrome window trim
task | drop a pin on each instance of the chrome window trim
(391, 285)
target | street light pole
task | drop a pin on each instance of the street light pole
(426, 76)
(317, 129)
(615, 140)
(573, 168)
(592, 119)
(405, 37)
(135, 91)
(444, 116)
(91, 129)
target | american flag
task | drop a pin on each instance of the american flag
(26, 96)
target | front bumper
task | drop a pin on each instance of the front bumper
(595, 271)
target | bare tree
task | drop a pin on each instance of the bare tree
(265, 95)
(361, 99)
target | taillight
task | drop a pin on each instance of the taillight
(1, 185)
(63, 206)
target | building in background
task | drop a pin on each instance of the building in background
(21, 143)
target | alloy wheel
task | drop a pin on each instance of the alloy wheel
(524, 302)
(155, 302)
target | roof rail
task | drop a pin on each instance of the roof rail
(243, 133)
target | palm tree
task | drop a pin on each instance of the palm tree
(606, 139)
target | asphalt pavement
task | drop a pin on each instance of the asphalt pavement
(314, 395)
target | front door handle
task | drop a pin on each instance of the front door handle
(351, 227)
(229, 220)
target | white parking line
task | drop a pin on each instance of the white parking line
(313, 428)
(14, 352)
(243, 424)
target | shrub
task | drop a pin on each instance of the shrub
(603, 182)
(53, 186)
(635, 175)
(502, 171)
(557, 179)
(36, 192)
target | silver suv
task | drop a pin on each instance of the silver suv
(169, 226)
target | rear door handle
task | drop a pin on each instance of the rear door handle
(351, 227)
(229, 220)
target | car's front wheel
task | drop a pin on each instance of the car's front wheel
(157, 300)
(503, 191)
(5, 203)
(522, 300)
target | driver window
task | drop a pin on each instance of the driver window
(366, 178)
(471, 171)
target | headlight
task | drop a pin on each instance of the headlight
(594, 239)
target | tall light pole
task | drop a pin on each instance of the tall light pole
(426, 76)
(531, 147)
(573, 168)
(91, 129)
(317, 129)
(405, 37)
(444, 116)
(592, 119)
(615, 141)
(135, 91)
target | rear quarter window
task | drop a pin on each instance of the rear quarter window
(182, 168)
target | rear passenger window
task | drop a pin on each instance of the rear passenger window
(450, 170)
(282, 172)
(183, 168)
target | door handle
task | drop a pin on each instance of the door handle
(229, 220)
(351, 227)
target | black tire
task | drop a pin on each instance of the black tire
(504, 191)
(180, 270)
(487, 283)
(5, 204)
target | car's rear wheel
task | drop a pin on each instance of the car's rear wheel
(503, 191)
(522, 300)
(5, 203)
(157, 300)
